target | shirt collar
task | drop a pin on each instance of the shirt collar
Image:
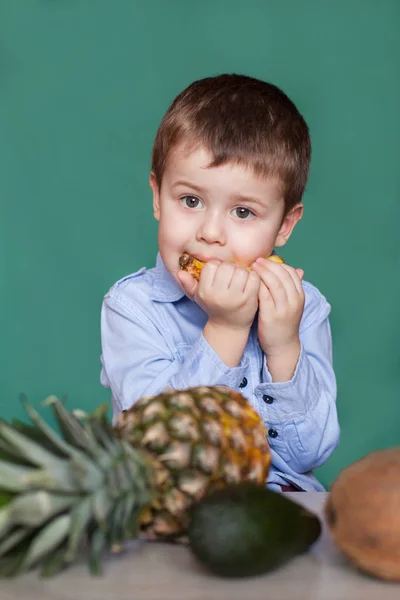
(165, 288)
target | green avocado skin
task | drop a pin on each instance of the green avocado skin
(245, 530)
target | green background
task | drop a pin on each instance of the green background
(83, 86)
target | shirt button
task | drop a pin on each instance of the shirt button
(244, 383)
(268, 399)
(272, 433)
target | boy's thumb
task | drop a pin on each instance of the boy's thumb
(188, 283)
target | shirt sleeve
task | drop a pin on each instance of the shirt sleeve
(138, 360)
(301, 414)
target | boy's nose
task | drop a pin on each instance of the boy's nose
(211, 231)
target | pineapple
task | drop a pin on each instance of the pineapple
(192, 265)
(103, 485)
(200, 438)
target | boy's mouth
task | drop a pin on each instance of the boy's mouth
(204, 259)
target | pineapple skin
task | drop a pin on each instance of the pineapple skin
(197, 440)
(189, 263)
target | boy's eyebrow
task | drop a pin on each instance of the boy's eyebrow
(242, 197)
(187, 184)
(251, 199)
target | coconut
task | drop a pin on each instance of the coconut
(363, 513)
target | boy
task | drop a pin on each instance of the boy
(229, 167)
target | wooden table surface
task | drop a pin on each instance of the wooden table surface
(155, 571)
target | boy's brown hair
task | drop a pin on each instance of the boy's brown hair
(242, 120)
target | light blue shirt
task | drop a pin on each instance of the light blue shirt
(152, 338)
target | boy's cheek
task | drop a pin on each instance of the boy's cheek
(246, 256)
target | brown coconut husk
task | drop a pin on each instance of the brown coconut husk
(363, 513)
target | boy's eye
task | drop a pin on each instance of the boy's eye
(190, 201)
(243, 213)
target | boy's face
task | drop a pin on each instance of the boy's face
(223, 212)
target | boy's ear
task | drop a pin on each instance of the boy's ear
(156, 196)
(289, 223)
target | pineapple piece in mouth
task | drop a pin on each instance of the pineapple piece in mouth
(192, 265)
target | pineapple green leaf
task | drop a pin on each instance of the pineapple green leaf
(129, 517)
(5, 498)
(70, 426)
(46, 540)
(19, 478)
(101, 506)
(15, 537)
(98, 422)
(80, 518)
(5, 524)
(11, 562)
(13, 477)
(53, 563)
(97, 451)
(57, 478)
(35, 434)
(9, 454)
(138, 467)
(86, 473)
(124, 482)
(10, 565)
(23, 397)
(133, 530)
(99, 414)
(98, 543)
(116, 534)
(25, 447)
(64, 399)
(59, 490)
(112, 484)
(48, 432)
(35, 508)
(103, 438)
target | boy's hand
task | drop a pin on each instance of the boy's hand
(227, 293)
(281, 304)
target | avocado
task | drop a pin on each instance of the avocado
(246, 529)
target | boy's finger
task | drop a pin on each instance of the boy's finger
(239, 279)
(297, 276)
(269, 273)
(188, 283)
(300, 273)
(208, 273)
(253, 283)
(224, 274)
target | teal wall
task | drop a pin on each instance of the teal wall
(83, 85)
